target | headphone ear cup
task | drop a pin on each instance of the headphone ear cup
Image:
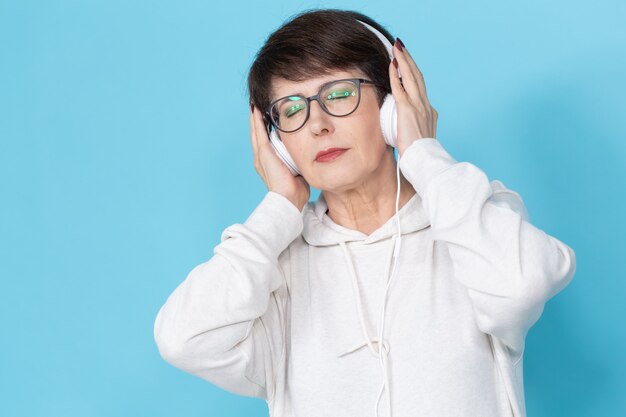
(282, 153)
(389, 120)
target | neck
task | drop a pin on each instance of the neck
(371, 204)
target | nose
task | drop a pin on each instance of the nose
(320, 122)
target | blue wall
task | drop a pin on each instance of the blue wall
(125, 151)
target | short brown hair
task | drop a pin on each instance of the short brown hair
(315, 43)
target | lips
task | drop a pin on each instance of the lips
(330, 152)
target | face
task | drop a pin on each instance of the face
(359, 133)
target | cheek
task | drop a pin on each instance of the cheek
(368, 152)
(298, 153)
(368, 138)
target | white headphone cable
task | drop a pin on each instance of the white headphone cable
(396, 253)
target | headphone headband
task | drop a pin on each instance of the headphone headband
(380, 36)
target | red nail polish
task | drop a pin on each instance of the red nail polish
(398, 44)
(401, 43)
(395, 62)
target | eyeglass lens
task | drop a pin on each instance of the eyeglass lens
(340, 99)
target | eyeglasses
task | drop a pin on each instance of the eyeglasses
(338, 98)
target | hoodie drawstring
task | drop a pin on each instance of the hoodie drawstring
(382, 353)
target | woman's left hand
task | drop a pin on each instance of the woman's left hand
(417, 119)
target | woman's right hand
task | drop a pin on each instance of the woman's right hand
(272, 170)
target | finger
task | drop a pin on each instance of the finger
(253, 140)
(399, 94)
(417, 73)
(258, 140)
(261, 131)
(433, 121)
(409, 80)
(420, 76)
(262, 137)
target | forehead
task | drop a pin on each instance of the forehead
(282, 87)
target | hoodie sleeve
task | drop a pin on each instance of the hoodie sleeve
(509, 267)
(225, 322)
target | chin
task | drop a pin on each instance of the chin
(336, 180)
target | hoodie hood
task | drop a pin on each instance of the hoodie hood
(320, 230)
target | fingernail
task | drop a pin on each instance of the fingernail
(395, 63)
(401, 44)
(251, 107)
(398, 44)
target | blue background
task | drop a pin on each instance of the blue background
(125, 151)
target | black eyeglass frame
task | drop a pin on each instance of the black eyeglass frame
(357, 81)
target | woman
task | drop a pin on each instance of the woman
(315, 306)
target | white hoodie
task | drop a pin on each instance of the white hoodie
(275, 312)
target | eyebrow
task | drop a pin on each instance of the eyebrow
(319, 87)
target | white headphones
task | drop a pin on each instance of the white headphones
(388, 115)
